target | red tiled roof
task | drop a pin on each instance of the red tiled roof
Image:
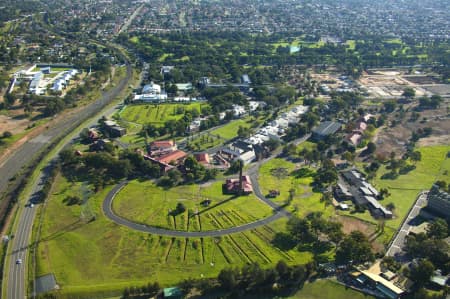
(233, 184)
(173, 156)
(202, 158)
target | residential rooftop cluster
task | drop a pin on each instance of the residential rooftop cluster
(330, 20)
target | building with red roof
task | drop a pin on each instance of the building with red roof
(232, 186)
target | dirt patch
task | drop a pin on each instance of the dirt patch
(13, 125)
(422, 79)
(350, 224)
(435, 140)
(395, 139)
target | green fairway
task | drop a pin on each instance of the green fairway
(100, 257)
(146, 203)
(156, 114)
(328, 289)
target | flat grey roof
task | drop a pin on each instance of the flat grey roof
(327, 128)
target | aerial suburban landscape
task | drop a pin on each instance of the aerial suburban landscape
(225, 149)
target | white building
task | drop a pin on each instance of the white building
(151, 88)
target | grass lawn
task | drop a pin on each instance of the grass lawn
(204, 141)
(327, 289)
(305, 201)
(229, 130)
(405, 188)
(100, 257)
(155, 114)
(146, 203)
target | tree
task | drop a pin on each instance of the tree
(438, 229)
(7, 134)
(409, 92)
(421, 273)
(355, 248)
(272, 144)
(415, 156)
(301, 230)
(243, 132)
(371, 147)
(228, 278)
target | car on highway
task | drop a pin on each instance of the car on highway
(19, 261)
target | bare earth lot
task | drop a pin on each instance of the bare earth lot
(394, 139)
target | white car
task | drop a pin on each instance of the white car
(19, 261)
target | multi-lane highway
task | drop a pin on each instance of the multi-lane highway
(18, 250)
(18, 258)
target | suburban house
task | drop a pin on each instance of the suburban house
(356, 135)
(246, 79)
(176, 157)
(232, 186)
(239, 150)
(325, 129)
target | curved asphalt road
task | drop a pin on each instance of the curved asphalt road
(107, 209)
(279, 212)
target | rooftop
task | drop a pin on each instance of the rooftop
(173, 156)
(327, 128)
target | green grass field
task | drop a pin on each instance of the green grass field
(100, 257)
(229, 130)
(293, 177)
(155, 114)
(405, 188)
(327, 289)
(146, 203)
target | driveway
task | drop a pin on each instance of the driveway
(398, 242)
